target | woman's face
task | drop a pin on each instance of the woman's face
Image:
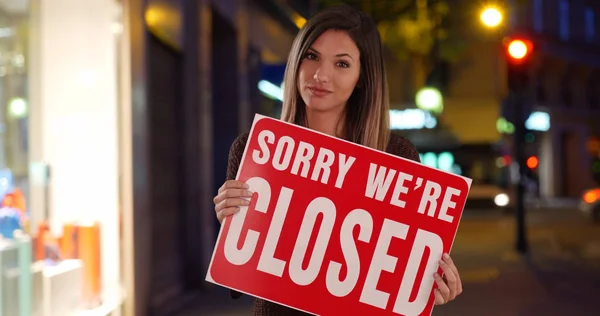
(329, 72)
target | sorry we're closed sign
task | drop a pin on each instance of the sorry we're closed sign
(335, 228)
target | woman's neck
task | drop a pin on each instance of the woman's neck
(329, 123)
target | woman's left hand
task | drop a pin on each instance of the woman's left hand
(449, 286)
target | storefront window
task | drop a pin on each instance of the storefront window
(13, 102)
(59, 166)
(15, 247)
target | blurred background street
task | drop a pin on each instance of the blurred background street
(117, 117)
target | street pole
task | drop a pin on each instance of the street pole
(521, 233)
(518, 53)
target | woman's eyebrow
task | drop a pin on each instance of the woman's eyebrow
(338, 55)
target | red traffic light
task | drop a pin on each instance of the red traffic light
(532, 162)
(519, 49)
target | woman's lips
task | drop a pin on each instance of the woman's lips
(319, 92)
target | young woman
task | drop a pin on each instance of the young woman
(335, 83)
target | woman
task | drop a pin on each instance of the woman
(335, 83)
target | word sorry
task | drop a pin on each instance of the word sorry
(303, 154)
(297, 159)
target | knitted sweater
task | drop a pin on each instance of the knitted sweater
(397, 145)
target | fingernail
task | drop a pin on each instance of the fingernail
(442, 262)
(250, 193)
(446, 256)
(246, 186)
(436, 275)
(246, 202)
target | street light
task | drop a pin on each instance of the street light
(430, 99)
(491, 17)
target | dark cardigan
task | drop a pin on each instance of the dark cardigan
(397, 145)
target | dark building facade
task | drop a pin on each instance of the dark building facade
(566, 86)
(194, 70)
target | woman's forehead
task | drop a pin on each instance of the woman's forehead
(334, 42)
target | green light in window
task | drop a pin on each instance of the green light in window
(430, 159)
(445, 161)
(504, 127)
(529, 137)
(510, 128)
(501, 125)
(17, 108)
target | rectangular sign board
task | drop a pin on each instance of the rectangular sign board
(336, 228)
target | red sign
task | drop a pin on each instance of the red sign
(335, 228)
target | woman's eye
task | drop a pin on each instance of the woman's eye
(310, 56)
(343, 64)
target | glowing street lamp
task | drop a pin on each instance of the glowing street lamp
(430, 99)
(491, 17)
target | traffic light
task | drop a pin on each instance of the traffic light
(518, 59)
(519, 49)
(532, 162)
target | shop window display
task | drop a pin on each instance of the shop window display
(59, 227)
(15, 244)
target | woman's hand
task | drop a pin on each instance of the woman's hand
(449, 286)
(232, 194)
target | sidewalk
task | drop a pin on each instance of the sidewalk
(217, 302)
(517, 285)
(551, 202)
(552, 280)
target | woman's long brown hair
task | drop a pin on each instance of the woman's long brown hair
(367, 110)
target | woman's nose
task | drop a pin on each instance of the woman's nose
(321, 75)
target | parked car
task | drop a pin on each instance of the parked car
(488, 196)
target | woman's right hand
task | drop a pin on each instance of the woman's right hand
(232, 194)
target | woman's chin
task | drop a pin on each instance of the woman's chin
(315, 105)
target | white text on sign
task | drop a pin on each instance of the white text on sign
(324, 207)
(299, 159)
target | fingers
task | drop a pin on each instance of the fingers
(232, 193)
(451, 280)
(227, 212)
(231, 196)
(439, 298)
(229, 207)
(452, 266)
(450, 285)
(233, 184)
(442, 293)
(231, 203)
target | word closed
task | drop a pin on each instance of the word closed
(335, 228)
